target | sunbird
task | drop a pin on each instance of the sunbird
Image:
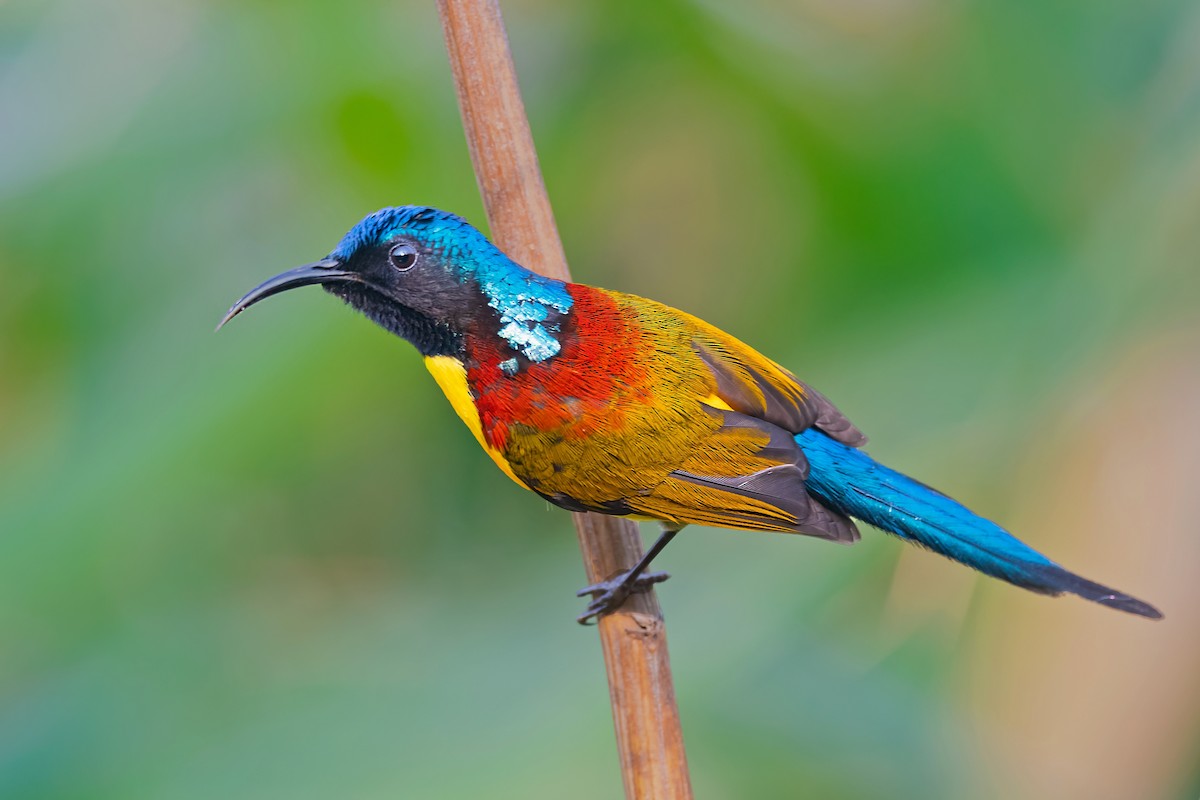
(603, 401)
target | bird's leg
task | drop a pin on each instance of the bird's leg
(607, 596)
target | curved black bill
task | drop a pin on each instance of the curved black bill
(325, 271)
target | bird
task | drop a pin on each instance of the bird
(602, 401)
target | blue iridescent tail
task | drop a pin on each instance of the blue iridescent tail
(849, 481)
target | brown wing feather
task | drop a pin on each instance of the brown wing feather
(753, 384)
(725, 483)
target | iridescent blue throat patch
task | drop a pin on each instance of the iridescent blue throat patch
(525, 300)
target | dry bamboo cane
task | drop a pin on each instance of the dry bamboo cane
(634, 639)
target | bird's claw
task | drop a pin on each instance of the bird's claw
(607, 596)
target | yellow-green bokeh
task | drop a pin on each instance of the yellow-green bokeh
(271, 563)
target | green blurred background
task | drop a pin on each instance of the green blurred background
(272, 564)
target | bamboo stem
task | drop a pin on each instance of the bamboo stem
(634, 639)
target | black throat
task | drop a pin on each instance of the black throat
(429, 337)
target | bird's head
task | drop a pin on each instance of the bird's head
(430, 277)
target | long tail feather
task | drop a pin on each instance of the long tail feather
(851, 482)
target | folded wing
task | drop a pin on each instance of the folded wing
(747, 474)
(753, 384)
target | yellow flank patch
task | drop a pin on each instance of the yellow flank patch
(451, 375)
(682, 501)
(716, 402)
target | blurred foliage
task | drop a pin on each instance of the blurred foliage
(271, 563)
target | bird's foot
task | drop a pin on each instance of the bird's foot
(607, 596)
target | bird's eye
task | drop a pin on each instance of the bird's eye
(403, 256)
